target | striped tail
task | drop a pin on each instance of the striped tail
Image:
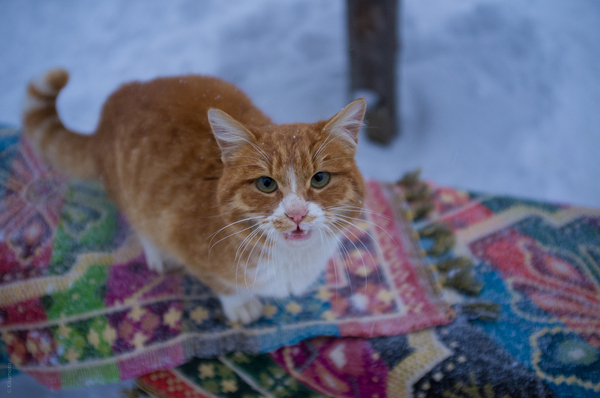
(66, 151)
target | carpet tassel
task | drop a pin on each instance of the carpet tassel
(463, 281)
(454, 273)
(482, 311)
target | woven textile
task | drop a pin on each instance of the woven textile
(452, 361)
(79, 306)
(540, 263)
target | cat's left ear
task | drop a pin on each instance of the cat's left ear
(347, 123)
(229, 133)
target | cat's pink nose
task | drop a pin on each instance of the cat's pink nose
(295, 208)
(297, 215)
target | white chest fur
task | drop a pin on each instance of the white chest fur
(291, 270)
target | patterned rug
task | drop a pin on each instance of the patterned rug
(541, 265)
(454, 361)
(541, 262)
(79, 306)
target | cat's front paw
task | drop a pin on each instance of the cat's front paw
(153, 257)
(298, 289)
(155, 264)
(241, 308)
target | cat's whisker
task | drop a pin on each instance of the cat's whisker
(249, 257)
(213, 235)
(250, 157)
(360, 209)
(244, 243)
(260, 151)
(319, 149)
(336, 159)
(343, 232)
(347, 255)
(242, 246)
(373, 239)
(323, 146)
(369, 222)
(316, 156)
(233, 240)
(375, 264)
(335, 266)
(215, 216)
(258, 226)
(321, 233)
(260, 257)
(274, 255)
(246, 269)
(251, 236)
(334, 263)
(235, 233)
(246, 165)
(260, 163)
(271, 249)
(237, 261)
(327, 144)
(365, 246)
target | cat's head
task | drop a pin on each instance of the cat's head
(293, 184)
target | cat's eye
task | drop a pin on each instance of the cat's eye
(320, 179)
(266, 184)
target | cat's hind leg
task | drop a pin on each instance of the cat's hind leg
(153, 257)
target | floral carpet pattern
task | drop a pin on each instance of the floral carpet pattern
(540, 263)
(79, 306)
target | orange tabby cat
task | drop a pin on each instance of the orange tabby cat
(207, 180)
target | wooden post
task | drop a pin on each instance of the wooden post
(373, 46)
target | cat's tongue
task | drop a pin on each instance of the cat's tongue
(298, 234)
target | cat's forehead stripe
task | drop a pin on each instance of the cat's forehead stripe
(292, 178)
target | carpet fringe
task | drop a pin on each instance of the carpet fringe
(453, 272)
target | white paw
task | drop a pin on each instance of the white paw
(241, 308)
(299, 288)
(153, 257)
(155, 264)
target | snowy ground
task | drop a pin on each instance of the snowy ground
(496, 95)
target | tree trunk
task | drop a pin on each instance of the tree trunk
(373, 45)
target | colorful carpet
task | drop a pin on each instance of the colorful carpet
(540, 263)
(79, 306)
(454, 361)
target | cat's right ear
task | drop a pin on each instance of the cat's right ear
(229, 133)
(347, 123)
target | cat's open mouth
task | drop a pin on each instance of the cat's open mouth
(297, 234)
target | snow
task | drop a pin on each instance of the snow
(502, 97)
(499, 96)
(495, 96)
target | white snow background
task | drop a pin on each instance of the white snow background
(498, 96)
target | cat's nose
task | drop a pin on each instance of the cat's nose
(297, 215)
(295, 208)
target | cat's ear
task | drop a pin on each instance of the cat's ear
(347, 123)
(229, 133)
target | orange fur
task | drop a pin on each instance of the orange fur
(184, 189)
